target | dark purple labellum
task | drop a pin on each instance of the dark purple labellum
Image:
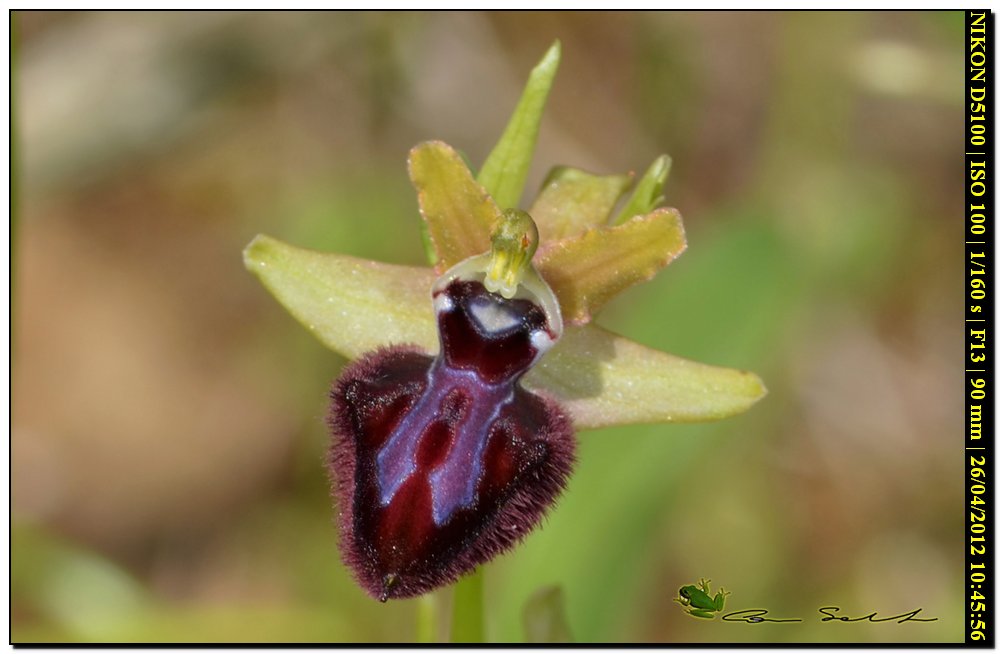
(439, 464)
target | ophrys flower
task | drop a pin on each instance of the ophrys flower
(441, 463)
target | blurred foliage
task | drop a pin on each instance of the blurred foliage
(545, 617)
(167, 416)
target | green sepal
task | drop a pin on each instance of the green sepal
(351, 305)
(604, 379)
(506, 168)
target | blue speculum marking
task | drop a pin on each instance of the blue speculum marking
(453, 482)
(486, 346)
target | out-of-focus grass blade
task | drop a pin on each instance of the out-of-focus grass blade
(544, 617)
(84, 594)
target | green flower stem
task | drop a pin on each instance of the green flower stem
(427, 606)
(467, 618)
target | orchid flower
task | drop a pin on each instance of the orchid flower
(415, 427)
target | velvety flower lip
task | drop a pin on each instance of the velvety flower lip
(440, 463)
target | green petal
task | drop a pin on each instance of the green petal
(351, 305)
(590, 269)
(604, 379)
(458, 212)
(648, 192)
(572, 200)
(506, 167)
(354, 306)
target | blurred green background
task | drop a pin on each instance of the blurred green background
(168, 430)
